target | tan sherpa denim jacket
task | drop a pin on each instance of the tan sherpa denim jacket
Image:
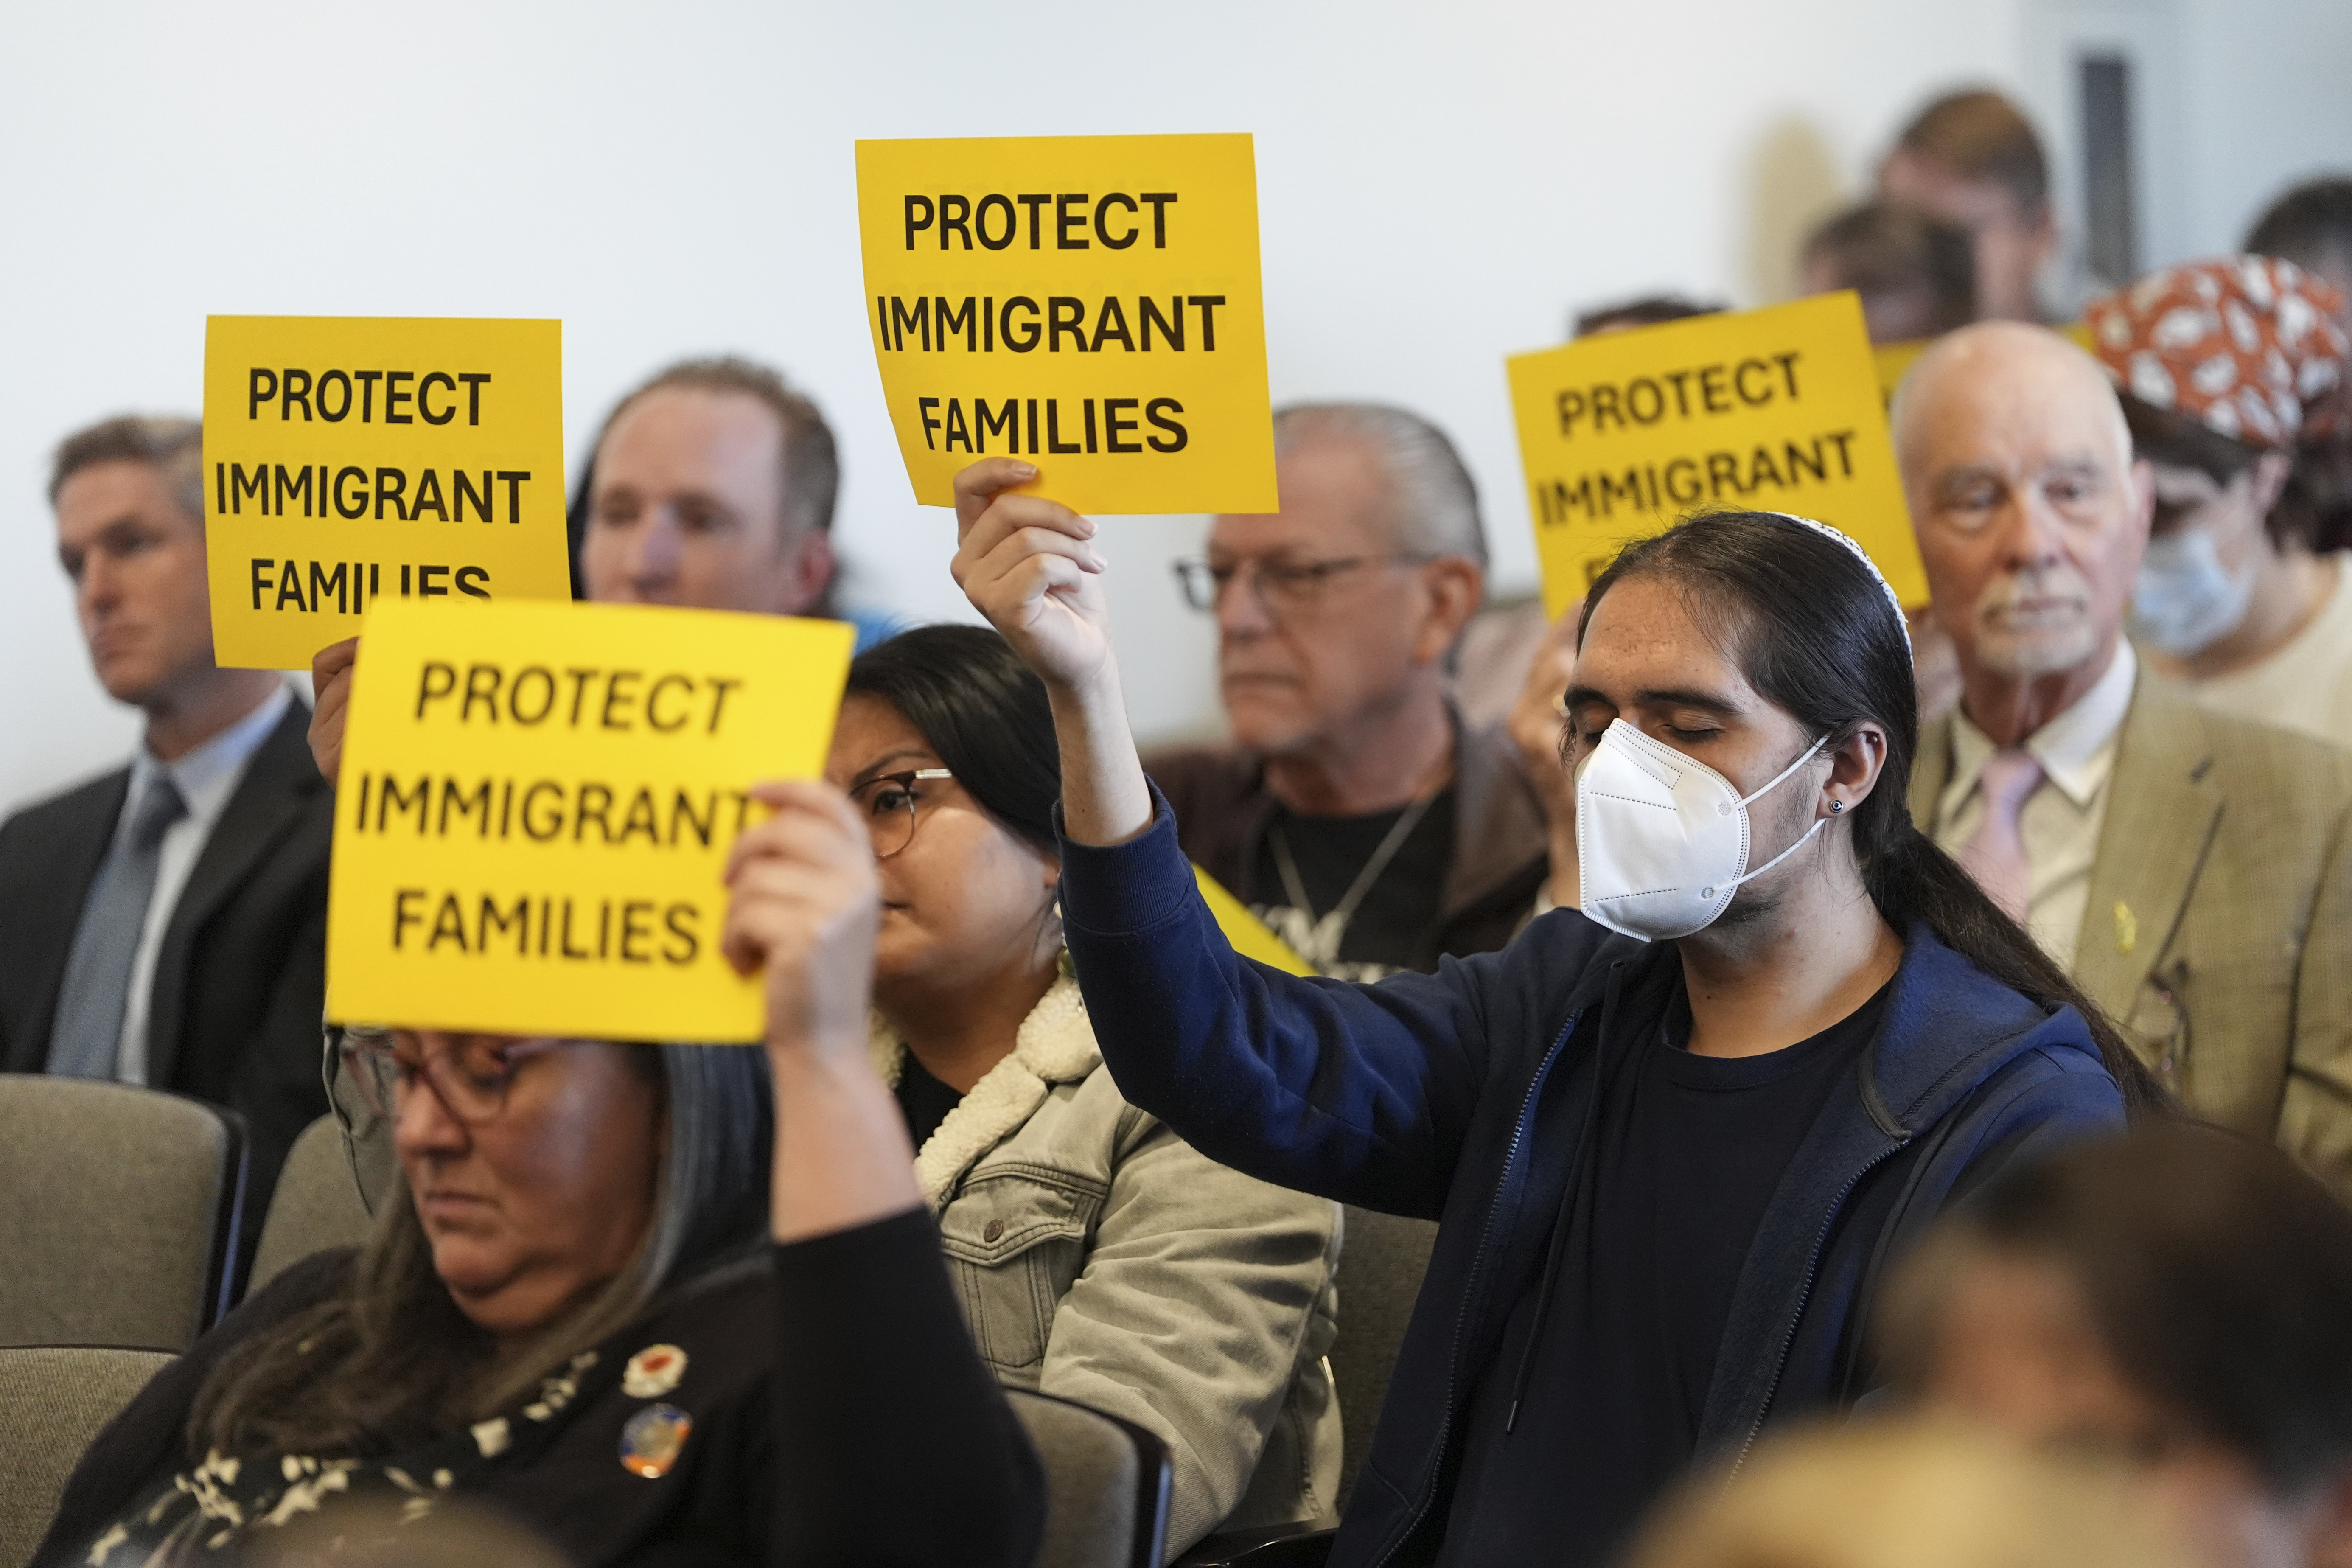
(1099, 1257)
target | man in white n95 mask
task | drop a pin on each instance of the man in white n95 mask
(1663, 1167)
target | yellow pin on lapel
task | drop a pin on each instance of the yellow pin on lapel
(2126, 928)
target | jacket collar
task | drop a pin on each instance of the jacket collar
(1949, 1027)
(267, 806)
(2164, 806)
(1056, 1045)
(1498, 823)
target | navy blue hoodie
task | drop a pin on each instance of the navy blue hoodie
(1461, 1097)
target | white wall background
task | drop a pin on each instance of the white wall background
(1439, 185)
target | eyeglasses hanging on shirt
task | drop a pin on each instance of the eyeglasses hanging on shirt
(1319, 943)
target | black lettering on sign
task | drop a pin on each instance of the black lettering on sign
(1764, 471)
(1114, 219)
(980, 222)
(673, 701)
(297, 488)
(955, 217)
(1685, 393)
(964, 319)
(1102, 233)
(936, 323)
(461, 491)
(1007, 424)
(507, 924)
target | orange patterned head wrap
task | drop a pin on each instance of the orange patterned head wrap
(2246, 345)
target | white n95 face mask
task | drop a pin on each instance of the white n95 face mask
(1662, 839)
(2185, 600)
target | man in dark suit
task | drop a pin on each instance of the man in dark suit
(166, 924)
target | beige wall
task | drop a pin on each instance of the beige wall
(1440, 184)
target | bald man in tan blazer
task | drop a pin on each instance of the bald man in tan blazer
(2193, 870)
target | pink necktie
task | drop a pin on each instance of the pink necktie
(1995, 853)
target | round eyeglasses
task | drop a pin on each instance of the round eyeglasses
(890, 804)
(368, 1078)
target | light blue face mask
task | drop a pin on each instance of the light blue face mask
(2186, 600)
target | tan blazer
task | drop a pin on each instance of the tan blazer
(2218, 928)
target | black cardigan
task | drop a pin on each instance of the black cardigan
(840, 1416)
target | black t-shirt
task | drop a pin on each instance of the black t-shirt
(1391, 927)
(923, 1099)
(1686, 1153)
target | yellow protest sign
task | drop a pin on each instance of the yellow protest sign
(1250, 936)
(348, 459)
(1091, 303)
(536, 805)
(1774, 410)
(1893, 362)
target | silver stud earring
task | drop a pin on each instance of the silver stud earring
(1836, 807)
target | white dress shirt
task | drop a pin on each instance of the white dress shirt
(2060, 820)
(206, 777)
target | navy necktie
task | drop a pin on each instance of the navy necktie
(88, 1027)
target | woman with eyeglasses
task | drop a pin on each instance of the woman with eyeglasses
(629, 1296)
(1098, 1256)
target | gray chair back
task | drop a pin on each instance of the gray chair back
(1107, 1483)
(53, 1400)
(1382, 1260)
(317, 1205)
(121, 1211)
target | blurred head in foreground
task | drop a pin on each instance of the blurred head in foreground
(2180, 1299)
(1904, 1495)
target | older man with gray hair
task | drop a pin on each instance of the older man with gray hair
(1355, 811)
(2194, 869)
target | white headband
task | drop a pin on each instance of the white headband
(1868, 565)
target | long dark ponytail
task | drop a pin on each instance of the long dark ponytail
(1816, 635)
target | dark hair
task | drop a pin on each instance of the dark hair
(1649, 310)
(2316, 505)
(2176, 439)
(811, 464)
(1812, 630)
(389, 1361)
(1981, 136)
(985, 713)
(2311, 226)
(172, 446)
(2219, 1273)
(1884, 248)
